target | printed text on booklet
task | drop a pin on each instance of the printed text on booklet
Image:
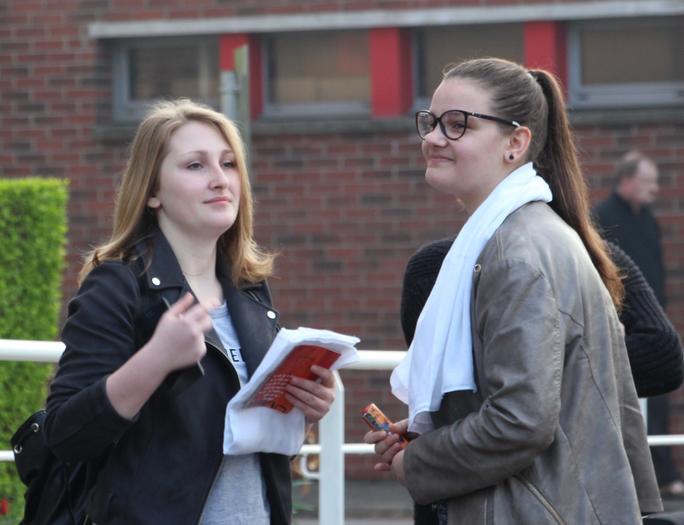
(298, 362)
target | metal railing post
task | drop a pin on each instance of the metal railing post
(643, 403)
(331, 479)
(37, 351)
(229, 89)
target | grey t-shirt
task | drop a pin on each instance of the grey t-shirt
(238, 495)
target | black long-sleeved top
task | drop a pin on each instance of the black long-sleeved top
(653, 345)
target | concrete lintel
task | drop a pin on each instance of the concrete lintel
(382, 18)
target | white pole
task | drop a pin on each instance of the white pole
(331, 482)
(644, 410)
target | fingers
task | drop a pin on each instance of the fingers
(307, 389)
(198, 315)
(374, 436)
(382, 467)
(179, 336)
(314, 398)
(397, 468)
(325, 374)
(388, 448)
(182, 304)
(400, 427)
(387, 445)
(195, 315)
(314, 403)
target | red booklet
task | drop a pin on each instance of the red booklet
(271, 393)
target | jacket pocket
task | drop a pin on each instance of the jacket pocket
(550, 509)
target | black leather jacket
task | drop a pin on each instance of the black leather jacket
(158, 468)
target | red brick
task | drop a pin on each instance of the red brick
(347, 210)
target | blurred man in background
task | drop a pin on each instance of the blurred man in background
(626, 219)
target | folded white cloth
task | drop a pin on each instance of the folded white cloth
(440, 358)
(261, 429)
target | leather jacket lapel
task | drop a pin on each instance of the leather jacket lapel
(255, 323)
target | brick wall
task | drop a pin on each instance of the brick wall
(346, 208)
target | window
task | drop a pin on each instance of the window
(438, 46)
(311, 73)
(150, 69)
(626, 63)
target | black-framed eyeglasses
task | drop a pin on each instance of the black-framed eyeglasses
(453, 123)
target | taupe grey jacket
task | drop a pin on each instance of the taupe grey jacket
(554, 433)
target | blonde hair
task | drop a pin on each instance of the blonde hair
(133, 220)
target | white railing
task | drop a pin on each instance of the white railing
(331, 447)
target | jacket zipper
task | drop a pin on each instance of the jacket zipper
(224, 357)
(554, 513)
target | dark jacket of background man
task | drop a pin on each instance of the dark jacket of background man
(638, 234)
(626, 219)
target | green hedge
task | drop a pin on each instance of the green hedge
(32, 246)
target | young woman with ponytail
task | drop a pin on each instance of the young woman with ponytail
(517, 379)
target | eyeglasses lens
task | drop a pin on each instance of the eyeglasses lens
(453, 124)
(425, 122)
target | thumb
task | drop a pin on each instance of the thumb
(400, 427)
(182, 304)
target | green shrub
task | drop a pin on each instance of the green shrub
(32, 246)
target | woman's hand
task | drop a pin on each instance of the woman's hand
(178, 339)
(177, 342)
(312, 397)
(389, 449)
(398, 467)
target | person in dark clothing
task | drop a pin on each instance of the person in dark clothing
(626, 219)
(172, 317)
(653, 345)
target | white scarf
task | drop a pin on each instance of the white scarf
(440, 358)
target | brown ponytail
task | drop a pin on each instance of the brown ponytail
(557, 163)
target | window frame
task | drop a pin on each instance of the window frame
(418, 43)
(126, 109)
(305, 110)
(639, 94)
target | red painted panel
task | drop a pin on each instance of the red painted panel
(390, 63)
(256, 77)
(227, 45)
(545, 48)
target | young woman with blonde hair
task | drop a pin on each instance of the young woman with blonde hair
(172, 316)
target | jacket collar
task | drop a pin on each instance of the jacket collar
(254, 321)
(628, 208)
(163, 271)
